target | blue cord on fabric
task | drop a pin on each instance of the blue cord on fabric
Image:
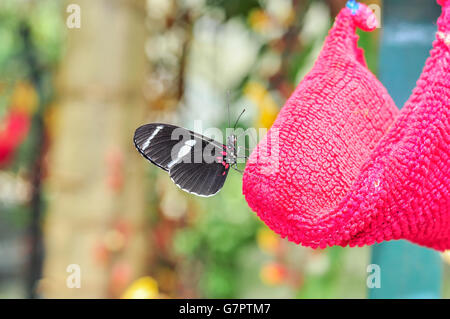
(352, 5)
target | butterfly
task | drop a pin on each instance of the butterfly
(197, 164)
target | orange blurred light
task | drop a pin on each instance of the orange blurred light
(273, 274)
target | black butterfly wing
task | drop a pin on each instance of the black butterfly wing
(155, 141)
(204, 178)
(195, 163)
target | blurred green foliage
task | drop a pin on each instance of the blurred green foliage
(47, 34)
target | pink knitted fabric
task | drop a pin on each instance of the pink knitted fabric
(342, 166)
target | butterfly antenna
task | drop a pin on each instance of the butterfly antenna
(238, 119)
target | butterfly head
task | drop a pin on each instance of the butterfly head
(232, 147)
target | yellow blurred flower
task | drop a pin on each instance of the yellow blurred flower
(267, 107)
(143, 288)
(267, 240)
(24, 98)
(259, 20)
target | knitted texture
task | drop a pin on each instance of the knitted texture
(341, 165)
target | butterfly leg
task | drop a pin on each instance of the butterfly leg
(234, 166)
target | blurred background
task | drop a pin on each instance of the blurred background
(74, 191)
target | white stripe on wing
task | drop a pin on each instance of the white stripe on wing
(147, 142)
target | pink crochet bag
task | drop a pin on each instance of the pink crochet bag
(342, 166)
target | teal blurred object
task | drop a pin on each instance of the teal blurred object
(408, 271)
(408, 29)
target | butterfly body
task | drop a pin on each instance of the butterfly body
(195, 163)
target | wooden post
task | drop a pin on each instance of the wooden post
(95, 177)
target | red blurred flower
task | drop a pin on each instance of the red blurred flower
(13, 131)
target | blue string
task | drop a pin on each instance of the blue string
(353, 5)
